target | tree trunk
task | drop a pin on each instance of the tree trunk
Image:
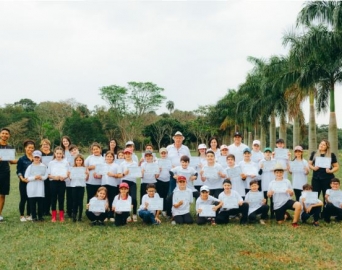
(273, 133)
(262, 139)
(312, 124)
(333, 124)
(250, 139)
(296, 131)
(282, 129)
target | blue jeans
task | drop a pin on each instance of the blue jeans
(147, 216)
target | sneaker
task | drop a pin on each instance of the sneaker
(173, 222)
(213, 223)
(164, 214)
(316, 224)
(29, 218)
(112, 220)
(135, 218)
(1, 218)
(129, 219)
(295, 225)
(106, 219)
(262, 222)
(22, 219)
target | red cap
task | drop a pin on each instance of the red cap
(181, 177)
(128, 150)
(124, 185)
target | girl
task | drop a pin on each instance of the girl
(127, 177)
(57, 173)
(148, 177)
(78, 178)
(97, 218)
(214, 146)
(36, 174)
(299, 168)
(111, 180)
(121, 217)
(47, 155)
(22, 165)
(203, 161)
(65, 144)
(94, 181)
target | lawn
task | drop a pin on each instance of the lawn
(71, 245)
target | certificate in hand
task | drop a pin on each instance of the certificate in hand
(210, 172)
(268, 165)
(101, 169)
(59, 171)
(323, 162)
(78, 173)
(46, 159)
(123, 206)
(134, 171)
(155, 204)
(38, 170)
(296, 166)
(164, 163)
(281, 153)
(234, 172)
(279, 187)
(152, 168)
(7, 154)
(335, 196)
(249, 169)
(181, 196)
(255, 197)
(207, 210)
(230, 202)
(98, 206)
(311, 197)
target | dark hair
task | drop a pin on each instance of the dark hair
(7, 129)
(227, 181)
(335, 180)
(28, 142)
(110, 153)
(253, 182)
(116, 146)
(68, 139)
(72, 146)
(231, 156)
(151, 186)
(214, 138)
(81, 157)
(307, 187)
(149, 144)
(185, 158)
(210, 152)
(95, 144)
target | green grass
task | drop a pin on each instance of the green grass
(78, 246)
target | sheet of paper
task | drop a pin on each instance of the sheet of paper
(207, 210)
(323, 162)
(98, 206)
(123, 206)
(155, 204)
(230, 202)
(281, 153)
(78, 173)
(7, 154)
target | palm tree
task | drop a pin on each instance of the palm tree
(170, 106)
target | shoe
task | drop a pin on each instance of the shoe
(1, 218)
(316, 224)
(135, 218)
(35, 220)
(111, 219)
(213, 223)
(61, 216)
(173, 222)
(106, 219)
(262, 222)
(295, 225)
(287, 216)
(164, 214)
(29, 218)
(22, 219)
(41, 219)
(54, 214)
(129, 219)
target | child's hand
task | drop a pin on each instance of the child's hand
(270, 193)
(156, 176)
(289, 191)
(315, 168)
(146, 205)
(157, 220)
(175, 176)
(193, 178)
(240, 203)
(308, 209)
(87, 206)
(215, 208)
(263, 201)
(252, 175)
(113, 208)
(126, 172)
(199, 210)
(221, 174)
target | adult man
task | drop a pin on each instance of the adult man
(4, 169)
(237, 147)
(175, 151)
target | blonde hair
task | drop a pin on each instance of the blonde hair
(327, 152)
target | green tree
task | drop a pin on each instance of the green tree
(170, 106)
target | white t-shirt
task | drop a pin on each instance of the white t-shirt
(337, 203)
(175, 154)
(117, 198)
(181, 195)
(187, 173)
(237, 183)
(233, 194)
(110, 180)
(90, 161)
(249, 168)
(217, 181)
(279, 199)
(254, 200)
(147, 199)
(237, 151)
(57, 167)
(124, 166)
(77, 182)
(198, 181)
(209, 201)
(307, 205)
(35, 188)
(148, 178)
(257, 156)
(164, 174)
(267, 175)
(299, 179)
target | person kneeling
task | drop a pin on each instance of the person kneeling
(202, 203)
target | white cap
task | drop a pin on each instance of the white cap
(204, 188)
(256, 142)
(129, 143)
(202, 146)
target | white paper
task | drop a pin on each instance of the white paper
(323, 162)
(230, 202)
(37, 170)
(234, 172)
(78, 173)
(255, 197)
(134, 171)
(311, 197)
(152, 168)
(210, 172)
(59, 171)
(296, 166)
(249, 169)
(97, 206)
(181, 196)
(335, 196)
(101, 169)
(123, 206)
(207, 210)
(268, 165)
(281, 153)
(279, 187)
(7, 154)
(155, 204)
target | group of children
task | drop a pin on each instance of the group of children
(221, 191)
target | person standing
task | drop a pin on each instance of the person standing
(5, 171)
(237, 147)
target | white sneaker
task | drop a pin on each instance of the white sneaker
(1, 218)
(22, 219)
(173, 222)
(29, 218)
(129, 219)
(135, 218)
(111, 219)
(262, 222)
(164, 214)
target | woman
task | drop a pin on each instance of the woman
(112, 147)
(214, 146)
(321, 176)
(65, 143)
(23, 163)
(47, 155)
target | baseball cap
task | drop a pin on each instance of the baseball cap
(178, 133)
(204, 188)
(124, 185)
(181, 178)
(163, 149)
(202, 146)
(247, 149)
(256, 142)
(129, 143)
(278, 167)
(298, 148)
(237, 134)
(37, 153)
(268, 149)
(148, 152)
(280, 141)
(223, 146)
(128, 150)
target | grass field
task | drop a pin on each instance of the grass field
(71, 245)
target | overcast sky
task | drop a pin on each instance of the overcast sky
(194, 50)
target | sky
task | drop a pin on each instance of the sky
(195, 50)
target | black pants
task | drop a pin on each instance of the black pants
(162, 190)
(111, 193)
(121, 218)
(183, 219)
(92, 217)
(263, 210)
(298, 193)
(332, 210)
(47, 198)
(142, 190)
(23, 199)
(69, 201)
(34, 202)
(77, 194)
(57, 194)
(315, 211)
(215, 192)
(133, 193)
(223, 216)
(320, 185)
(91, 191)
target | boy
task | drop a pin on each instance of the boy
(237, 183)
(257, 203)
(257, 155)
(148, 172)
(232, 205)
(181, 199)
(149, 216)
(206, 199)
(333, 199)
(310, 208)
(248, 167)
(280, 143)
(281, 191)
(148, 147)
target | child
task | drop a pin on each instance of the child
(299, 168)
(229, 195)
(58, 172)
(202, 161)
(163, 180)
(280, 143)
(188, 172)
(77, 183)
(257, 203)
(333, 199)
(94, 181)
(111, 180)
(310, 209)
(222, 159)
(148, 148)
(206, 199)
(129, 179)
(36, 173)
(149, 216)
(281, 191)
(121, 217)
(73, 151)
(266, 166)
(148, 177)
(257, 155)
(248, 167)
(120, 157)
(130, 145)
(181, 199)
(97, 218)
(237, 183)
(215, 178)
